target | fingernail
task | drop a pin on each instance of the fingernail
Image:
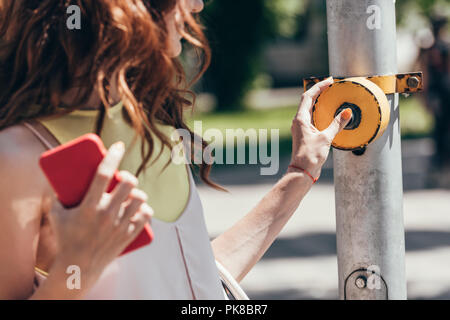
(118, 147)
(346, 114)
(330, 79)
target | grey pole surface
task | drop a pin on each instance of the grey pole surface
(368, 187)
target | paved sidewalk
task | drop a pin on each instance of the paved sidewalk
(302, 263)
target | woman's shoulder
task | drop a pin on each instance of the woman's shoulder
(19, 154)
(20, 143)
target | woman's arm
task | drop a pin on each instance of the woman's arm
(89, 236)
(20, 212)
(240, 248)
(21, 207)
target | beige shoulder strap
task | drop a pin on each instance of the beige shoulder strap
(42, 133)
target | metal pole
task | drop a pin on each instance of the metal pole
(368, 187)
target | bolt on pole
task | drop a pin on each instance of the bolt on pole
(368, 183)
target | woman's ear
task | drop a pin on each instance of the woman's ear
(196, 5)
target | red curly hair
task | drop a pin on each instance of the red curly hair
(121, 41)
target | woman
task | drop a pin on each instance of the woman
(119, 76)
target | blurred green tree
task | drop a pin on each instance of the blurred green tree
(237, 31)
(426, 8)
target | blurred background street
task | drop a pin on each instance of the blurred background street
(302, 263)
(261, 51)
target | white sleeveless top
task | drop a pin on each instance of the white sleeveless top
(178, 264)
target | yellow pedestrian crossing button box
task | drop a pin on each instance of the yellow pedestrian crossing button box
(366, 97)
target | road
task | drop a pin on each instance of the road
(302, 263)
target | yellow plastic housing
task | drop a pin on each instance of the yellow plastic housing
(371, 100)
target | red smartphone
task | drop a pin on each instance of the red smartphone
(70, 169)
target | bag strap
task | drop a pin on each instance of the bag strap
(42, 133)
(230, 285)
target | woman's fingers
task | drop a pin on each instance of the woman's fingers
(139, 220)
(338, 124)
(104, 174)
(138, 199)
(122, 191)
(309, 97)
